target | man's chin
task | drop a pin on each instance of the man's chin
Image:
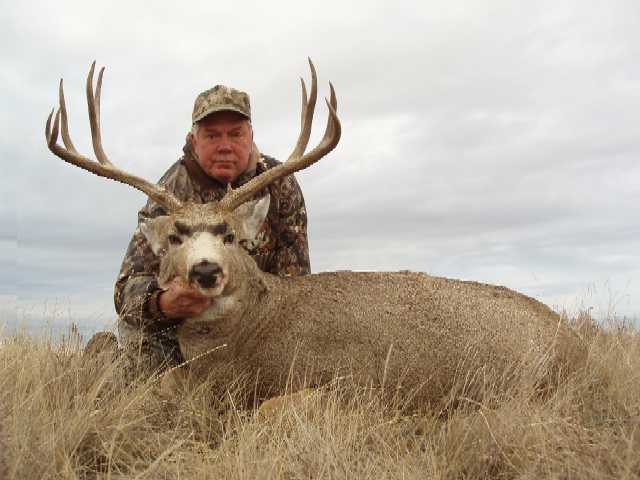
(223, 174)
(224, 179)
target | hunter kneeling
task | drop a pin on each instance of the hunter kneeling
(219, 151)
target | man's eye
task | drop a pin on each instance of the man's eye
(229, 238)
(175, 239)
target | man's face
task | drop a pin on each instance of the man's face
(223, 144)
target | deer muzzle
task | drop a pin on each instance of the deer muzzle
(205, 274)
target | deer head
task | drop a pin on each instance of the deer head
(201, 243)
(197, 242)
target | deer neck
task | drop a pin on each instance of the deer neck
(256, 299)
(255, 294)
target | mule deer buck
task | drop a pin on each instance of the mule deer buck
(403, 331)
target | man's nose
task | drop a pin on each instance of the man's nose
(224, 146)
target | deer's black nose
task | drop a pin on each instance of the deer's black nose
(205, 273)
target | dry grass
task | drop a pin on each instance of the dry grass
(65, 416)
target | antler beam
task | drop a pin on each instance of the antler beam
(297, 160)
(102, 167)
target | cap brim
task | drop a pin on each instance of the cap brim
(222, 108)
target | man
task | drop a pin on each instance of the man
(219, 151)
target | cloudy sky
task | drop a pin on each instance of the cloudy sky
(496, 141)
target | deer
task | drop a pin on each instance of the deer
(406, 332)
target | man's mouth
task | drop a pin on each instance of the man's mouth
(229, 162)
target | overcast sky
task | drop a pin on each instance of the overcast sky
(496, 141)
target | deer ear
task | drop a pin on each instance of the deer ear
(153, 230)
(252, 215)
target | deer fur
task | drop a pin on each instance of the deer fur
(404, 331)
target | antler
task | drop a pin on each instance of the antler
(103, 167)
(296, 161)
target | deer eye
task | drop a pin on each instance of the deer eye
(175, 239)
(229, 238)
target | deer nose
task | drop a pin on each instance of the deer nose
(205, 273)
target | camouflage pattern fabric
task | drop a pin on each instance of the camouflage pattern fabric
(280, 248)
(218, 99)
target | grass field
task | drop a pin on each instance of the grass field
(64, 415)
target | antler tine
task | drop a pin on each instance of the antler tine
(331, 136)
(100, 168)
(66, 138)
(93, 102)
(296, 161)
(304, 102)
(308, 107)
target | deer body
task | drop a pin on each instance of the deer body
(399, 330)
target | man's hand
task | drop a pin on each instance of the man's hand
(180, 300)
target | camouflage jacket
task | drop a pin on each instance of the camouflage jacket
(280, 247)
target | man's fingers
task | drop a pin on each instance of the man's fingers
(194, 308)
(186, 290)
(194, 294)
(181, 300)
(185, 303)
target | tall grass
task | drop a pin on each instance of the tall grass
(64, 415)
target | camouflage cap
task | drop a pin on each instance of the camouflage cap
(218, 99)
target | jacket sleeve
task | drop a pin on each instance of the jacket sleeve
(291, 256)
(136, 290)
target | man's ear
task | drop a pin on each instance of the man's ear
(154, 230)
(252, 215)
